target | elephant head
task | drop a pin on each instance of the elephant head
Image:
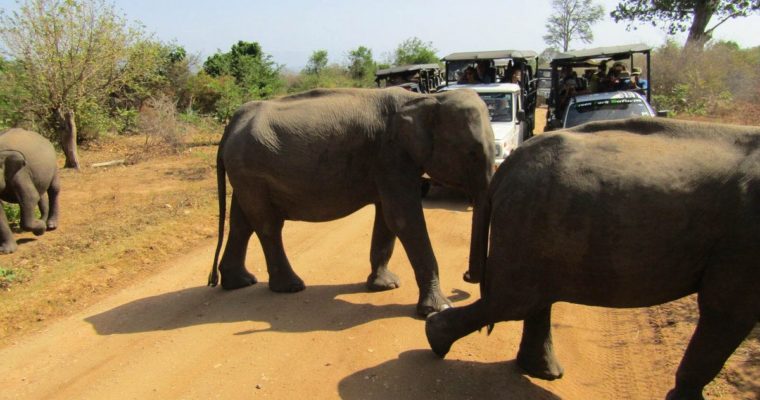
(449, 135)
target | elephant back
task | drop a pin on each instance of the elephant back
(38, 152)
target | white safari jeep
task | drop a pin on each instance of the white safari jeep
(505, 111)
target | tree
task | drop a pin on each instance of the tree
(415, 51)
(254, 71)
(682, 15)
(361, 66)
(73, 53)
(317, 62)
(572, 19)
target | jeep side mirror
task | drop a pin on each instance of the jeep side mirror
(663, 113)
(520, 115)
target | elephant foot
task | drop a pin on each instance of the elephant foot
(432, 302)
(383, 279)
(435, 331)
(8, 247)
(52, 225)
(232, 280)
(37, 227)
(286, 282)
(542, 367)
(681, 394)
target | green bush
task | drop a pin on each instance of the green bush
(13, 214)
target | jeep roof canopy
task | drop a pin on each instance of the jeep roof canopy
(613, 52)
(526, 55)
(428, 75)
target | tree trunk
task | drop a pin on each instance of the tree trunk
(68, 128)
(703, 11)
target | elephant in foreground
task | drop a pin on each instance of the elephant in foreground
(324, 154)
(621, 214)
(30, 178)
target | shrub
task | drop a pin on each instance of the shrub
(158, 121)
(705, 82)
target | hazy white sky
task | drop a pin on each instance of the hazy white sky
(290, 30)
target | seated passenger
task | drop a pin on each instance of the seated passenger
(623, 82)
(636, 79)
(515, 77)
(470, 75)
(485, 72)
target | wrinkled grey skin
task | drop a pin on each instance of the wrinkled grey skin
(29, 177)
(324, 154)
(622, 214)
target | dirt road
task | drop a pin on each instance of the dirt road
(171, 337)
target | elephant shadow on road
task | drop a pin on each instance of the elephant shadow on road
(419, 374)
(283, 312)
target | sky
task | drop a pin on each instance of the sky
(290, 30)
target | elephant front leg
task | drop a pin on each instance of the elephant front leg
(383, 241)
(7, 241)
(536, 354)
(52, 194)
(28, 200)
(403, 215)
(232, 266)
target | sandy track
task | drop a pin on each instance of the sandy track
(172, 337)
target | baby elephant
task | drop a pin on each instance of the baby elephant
(30, 178)
(621, 214)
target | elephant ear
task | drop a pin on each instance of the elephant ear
(10, 162)
(413, 128)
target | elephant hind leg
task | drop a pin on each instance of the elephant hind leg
(232, 266)
(536, 354)
(444, 328)
(267, 222)
(52, 194)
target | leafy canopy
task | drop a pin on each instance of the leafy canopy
(415, 51)
(682, 15)
(317, 62)
(72, 54)
(571, 19)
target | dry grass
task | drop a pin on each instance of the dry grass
(148, 211)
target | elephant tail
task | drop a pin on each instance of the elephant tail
(221, 184)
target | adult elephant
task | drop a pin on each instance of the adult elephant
(623, 214)
(324, 154)
(29, 177)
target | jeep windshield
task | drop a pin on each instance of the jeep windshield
(605, 109)
(499, 106)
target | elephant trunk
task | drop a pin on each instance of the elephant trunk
(481, 216)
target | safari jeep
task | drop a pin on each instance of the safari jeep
(419, 78)
(511, 105)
